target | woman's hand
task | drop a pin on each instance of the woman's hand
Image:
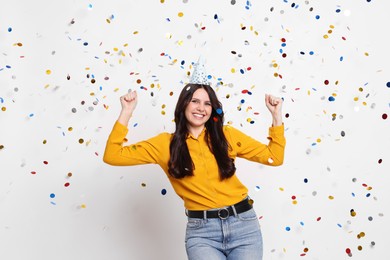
(274, 105)
(128, 103)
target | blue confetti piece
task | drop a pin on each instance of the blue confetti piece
(242, 71)
(9, 29)
(353, 194)
(305, 180)
(163, 191)
(311, 53)
(331, 98)
(209, 77)
(242, 101)
(8, 66)
(219, 111)
(388, 84)
(85, 43)
(31, 115)
(339, 225)
(341, 58)
(135, 124)
(302, 224)
(52, 195)
(288, 228)
(317, 17)
(1, 100)
(53, 203)
(90, 6)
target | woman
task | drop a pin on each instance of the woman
(198, 159)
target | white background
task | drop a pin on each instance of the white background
(120, 212)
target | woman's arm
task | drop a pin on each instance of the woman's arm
(274, 105)
(128, 103)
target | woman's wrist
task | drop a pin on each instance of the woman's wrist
(124, 117)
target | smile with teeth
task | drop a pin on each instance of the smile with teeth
(200, 116)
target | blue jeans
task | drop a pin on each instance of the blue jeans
(236, 238)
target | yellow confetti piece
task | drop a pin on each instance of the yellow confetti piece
(294, 202)
(330, 197)
(135, 32)
(3, 109)
(48, 72)
(355, 98)
(318, 140)
(281, 189)
(366, 53)
(162, 1)
(326, 36)
(116, 89)
(233, 70)
(180, 14)
(83, 206)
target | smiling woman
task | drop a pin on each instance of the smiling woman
(198, 158)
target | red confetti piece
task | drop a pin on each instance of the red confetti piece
(33, 172)
(45, 162)
(67, 184)
(319, 218)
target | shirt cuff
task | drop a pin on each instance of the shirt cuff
(276, 130)
(118, 127)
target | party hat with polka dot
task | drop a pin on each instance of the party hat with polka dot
(199, 75)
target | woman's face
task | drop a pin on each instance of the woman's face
(198, 111)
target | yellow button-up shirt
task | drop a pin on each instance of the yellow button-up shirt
(204, 190)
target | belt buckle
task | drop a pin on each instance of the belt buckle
(221, 214)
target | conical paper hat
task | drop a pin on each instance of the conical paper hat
(199, 76)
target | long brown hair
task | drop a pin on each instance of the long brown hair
(180, 163)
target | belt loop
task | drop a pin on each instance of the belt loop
(204, 214)
(234, 210)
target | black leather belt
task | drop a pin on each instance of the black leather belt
(222, 213)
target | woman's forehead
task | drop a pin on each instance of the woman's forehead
(201, 94)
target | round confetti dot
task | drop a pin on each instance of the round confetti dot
(163, 191)
(384, 116)
(9, 29)
(45, 162)
(388, 84)
(180, 14)
(67, 184)
(83, 206)
(81, 141)
(69, 174)
(3, 109)
(342, 133)
(52, 195)
(48, 72)
(143, 184)
(348, 250)
(380, 161)
(288, 228)
(305, 180)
